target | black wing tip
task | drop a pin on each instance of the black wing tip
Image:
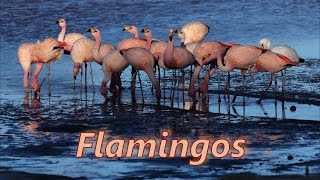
(301, 60)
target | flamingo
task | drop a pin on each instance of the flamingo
(99, 51)
(142, 59)
(157, 48)
(177, 57)
(278, 59)
(132, 42)
(113, 63)
(285, 51)
(195, 32)
(238, 57)
(190, 46)
(82, 51)
(46, 51)
(70, 38)
(200, 53)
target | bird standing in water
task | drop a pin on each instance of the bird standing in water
(238, 57)
(142, 59)
(46, 51)
(278, 59)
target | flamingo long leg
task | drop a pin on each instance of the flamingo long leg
(267, 87)
(35, 77)
(243, 86)
(48, 65)
(283, 72)
(91, 74)
(85, 76)
(103, 88)
(140, 87)
(164, 84)
(133, 87)
(183, 85)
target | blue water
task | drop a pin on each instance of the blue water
(295, 23)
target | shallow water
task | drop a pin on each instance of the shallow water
(39, 135)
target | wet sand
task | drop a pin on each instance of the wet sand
(41, 138)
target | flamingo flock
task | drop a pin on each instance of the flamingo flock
(144, 54)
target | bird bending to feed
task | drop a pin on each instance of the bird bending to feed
(46, 51)
(240, 57)
(142, 59)
(82, 51)
(195, 32)
(113, 62)
(157, 48)
(201, 53)
(70, 38)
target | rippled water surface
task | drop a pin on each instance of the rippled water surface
(39, 134)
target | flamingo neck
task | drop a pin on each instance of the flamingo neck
(62, 33)
(98, 42)
(182, 39)
(225, 68)
(135, 33)
(168, 55)
(149, 41)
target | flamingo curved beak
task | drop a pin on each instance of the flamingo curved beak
(126, 28)
(92, 30)
(301, 60)
(144, 30)
(171, 36)
(178, 31)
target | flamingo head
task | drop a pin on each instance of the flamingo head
(171, 34)
(95, 32)
(62, 23)
(265, 43)
(131, 29)
(204, 57)
(147, 33)
(180, 34)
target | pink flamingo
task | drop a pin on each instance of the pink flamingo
(157, 48)
(132, 42)
(46, 51)
(190, 46)
(201, 53)
(142, 59)
(195, 32)
(99, 51)
(280, 58)
(113, 63)
(177, 58)
(238, 57)
(70, 38)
